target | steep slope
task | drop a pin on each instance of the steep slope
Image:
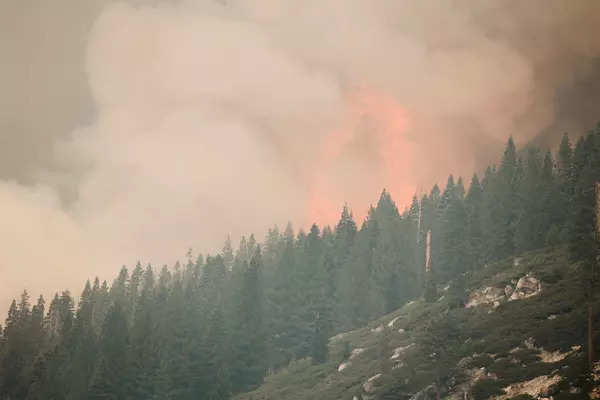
(520, 335)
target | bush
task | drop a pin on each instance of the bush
(553, 236)
(346, 351)
(524, 396)
(527, 356)
(481, 360)
(486, 388)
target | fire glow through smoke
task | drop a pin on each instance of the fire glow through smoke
(375, 120)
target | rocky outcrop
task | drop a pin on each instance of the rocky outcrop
(546, 356)
(355, 353)
(526, 287)
(508, 290)
(556, 356)
(369, 385)
(399, 350)
(392, 322)
(487, 295)
(541, 386)
(344, 365)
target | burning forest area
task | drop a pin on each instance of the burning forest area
(283, 200)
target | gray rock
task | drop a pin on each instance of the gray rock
(526, 287)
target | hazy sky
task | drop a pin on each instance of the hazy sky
(136, 130)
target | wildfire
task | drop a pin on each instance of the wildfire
(391, 157)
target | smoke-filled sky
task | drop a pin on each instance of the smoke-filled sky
(136, 130)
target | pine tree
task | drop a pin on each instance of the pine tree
(565, 154)
(473, 208)
(82, 346)
(453, 250)
(227, 254)
(531, 223)
(118, 290)
(217, 373)
(440, 340)
(113, 380)
(509, 176)
(344, 241)
(12, 361)
(583, 243)
(319, 345)
(144, 341)
(249, 358)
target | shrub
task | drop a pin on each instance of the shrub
(486, 388)
(523, 396)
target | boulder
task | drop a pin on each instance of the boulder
(487, 295)
(537, 387)
(392, 322)
(508, 290)
(556, 356)
(526, 287)
(399, 350)
(356, 352)
(344, 365)
(369, 385)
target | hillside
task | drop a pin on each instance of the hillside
(532, 344)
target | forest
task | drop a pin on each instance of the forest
(216, 325)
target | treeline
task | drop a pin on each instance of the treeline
(217, 325)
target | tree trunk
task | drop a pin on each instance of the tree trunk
(592, 283)
(590, 318)
(590, 337)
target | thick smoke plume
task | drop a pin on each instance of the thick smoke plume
(137, 130)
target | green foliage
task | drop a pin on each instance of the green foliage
(523, 397)
(493, 341)
(486, 388)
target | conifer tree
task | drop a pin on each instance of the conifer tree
(565, 154)
(227, 254)
(249, 358)
(473, 208)
(112, 379)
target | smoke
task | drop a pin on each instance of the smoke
(193, 120)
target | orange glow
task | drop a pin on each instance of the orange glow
(394, 152)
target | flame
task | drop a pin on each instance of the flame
(395, 153)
